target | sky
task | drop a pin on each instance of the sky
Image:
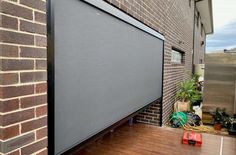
(224, 17)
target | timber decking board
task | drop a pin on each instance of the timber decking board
(141, 139)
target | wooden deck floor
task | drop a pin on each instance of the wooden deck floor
(141, 139)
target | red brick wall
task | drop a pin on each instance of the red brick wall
(23, 75)
(173, 19)
(151, 114)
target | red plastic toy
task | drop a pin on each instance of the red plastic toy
(192, 138)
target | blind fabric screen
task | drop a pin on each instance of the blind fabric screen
(105, 69)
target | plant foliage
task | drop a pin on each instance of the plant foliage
(188, 91)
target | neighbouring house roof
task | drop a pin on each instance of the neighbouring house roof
(233, 50)
(205, 9)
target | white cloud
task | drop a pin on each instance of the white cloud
(224, 16)
(224, 11)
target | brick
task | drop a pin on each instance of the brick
(40, 41)
(123, 7)
(148, 115)
(30, 52)
(36, 4)
(41, 64)
(155, 122)
(14, 91)
(153, 115)
(18, 142)
(157, 112)
(34, 124)
(24, 27)
(8, 78)
(9, 132)
(41, 111)
(13, 0)
(8, 22)
(16, 10)
(40, 17)
(32, 27)
(16, 64)
(115, 2)
(41, 133)
(28, 150)
(33, 101)
(9, 105)
(8, 51)
(41, 88)
(44, 152)
(148, 118)
(17, 152)
(33, 77)
(17, 117)
(16, 38)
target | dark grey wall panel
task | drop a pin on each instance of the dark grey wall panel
(105, 69)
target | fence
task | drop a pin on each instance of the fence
(220, 82)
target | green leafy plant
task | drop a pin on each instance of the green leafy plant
(195, 78)
(196, 96)
(187, 91)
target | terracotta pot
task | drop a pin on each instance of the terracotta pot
(217, 126)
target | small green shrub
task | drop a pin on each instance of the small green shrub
(188, 91)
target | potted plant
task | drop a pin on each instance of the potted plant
(218, 119)
(186, 95)
(232, 125)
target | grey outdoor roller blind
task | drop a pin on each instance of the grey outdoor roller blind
(105, 69)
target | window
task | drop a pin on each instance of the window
(190, 1)
(177, 56)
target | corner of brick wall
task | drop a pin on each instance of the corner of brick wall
(23, 76)
(151, 114)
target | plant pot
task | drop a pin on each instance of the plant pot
(232, 126)
(197, 103)
(182, 106)
(218, 126)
